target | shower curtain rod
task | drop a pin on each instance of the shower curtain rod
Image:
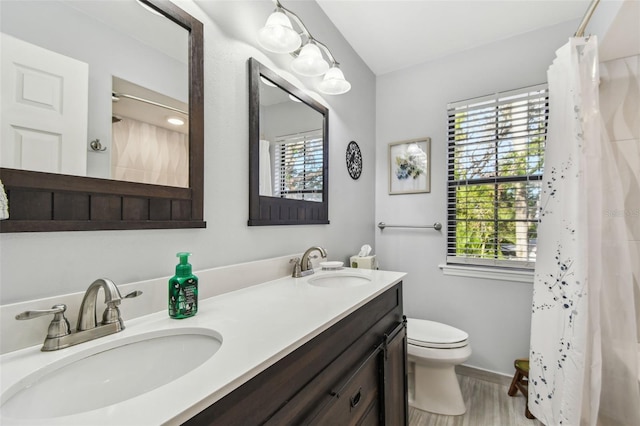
(586, 18)
(147, 101)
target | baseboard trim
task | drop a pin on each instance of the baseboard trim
(486, 375)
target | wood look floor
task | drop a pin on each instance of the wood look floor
(487, 405)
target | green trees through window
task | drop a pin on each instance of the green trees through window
(496, 156)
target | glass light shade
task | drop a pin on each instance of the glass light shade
(310, 62)
(334, 83)
(278, 35)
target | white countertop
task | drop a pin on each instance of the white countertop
(259, 325)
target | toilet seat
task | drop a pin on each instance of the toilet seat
(431, 334)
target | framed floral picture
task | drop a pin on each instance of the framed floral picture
(410, 166)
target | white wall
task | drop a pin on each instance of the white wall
(412, 103)
(36, 265)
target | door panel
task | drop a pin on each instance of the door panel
(44, 109)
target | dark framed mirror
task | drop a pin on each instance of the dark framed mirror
(42, 201)
(288, 152)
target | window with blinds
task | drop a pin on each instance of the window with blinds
(298, 172)
(495, 163)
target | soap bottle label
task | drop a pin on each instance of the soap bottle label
(183, 298)
(190, 297)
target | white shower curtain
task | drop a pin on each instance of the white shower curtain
(145, 153)
(264, 176)
(583, 356)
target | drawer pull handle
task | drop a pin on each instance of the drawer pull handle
(355, 399)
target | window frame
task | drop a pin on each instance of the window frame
(539, 97)
(311, 143)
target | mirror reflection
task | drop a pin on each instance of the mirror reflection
(150, 138)
(291, 146)
(288, 152)
(79, 70)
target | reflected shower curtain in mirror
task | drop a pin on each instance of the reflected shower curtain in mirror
(583, 355)
(146, 153)
(265, 169)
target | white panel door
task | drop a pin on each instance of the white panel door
(44, 109)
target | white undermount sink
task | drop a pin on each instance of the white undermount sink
(339, 280)
(111, 373)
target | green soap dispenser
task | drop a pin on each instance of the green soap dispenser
(183, 290)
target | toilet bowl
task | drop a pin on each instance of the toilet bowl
(434, 349)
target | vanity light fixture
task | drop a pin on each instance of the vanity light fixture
(309, 60)
(278, 35)
(333, 82)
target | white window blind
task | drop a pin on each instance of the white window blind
(495, 163)
(298, 166)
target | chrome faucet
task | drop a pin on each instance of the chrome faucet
(303, 267)
(59, 334)
(87, 318)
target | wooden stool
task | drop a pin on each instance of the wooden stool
(521, 382)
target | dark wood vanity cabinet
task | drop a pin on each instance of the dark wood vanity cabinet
(354, 373)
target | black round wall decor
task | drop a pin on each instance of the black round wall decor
(354, 160)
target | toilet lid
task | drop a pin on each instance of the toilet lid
(431, 334)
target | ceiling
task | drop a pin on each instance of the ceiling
(124, 17)
(390, 35)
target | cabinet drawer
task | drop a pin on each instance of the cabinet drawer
(355, 398)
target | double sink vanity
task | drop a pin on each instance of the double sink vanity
(322, 348)
(326, 348)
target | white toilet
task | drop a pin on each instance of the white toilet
(434, 350)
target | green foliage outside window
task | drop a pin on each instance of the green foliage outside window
(496, 151)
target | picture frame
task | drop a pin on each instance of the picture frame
(410, 166)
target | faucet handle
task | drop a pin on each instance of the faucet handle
(309, 260)
(55, 309)
(59, 325)
(134, 293)
(111, 313)
(297, 268)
